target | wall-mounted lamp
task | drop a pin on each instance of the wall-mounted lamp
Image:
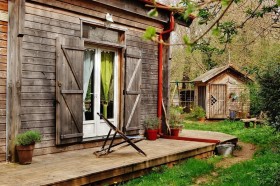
(109, 20)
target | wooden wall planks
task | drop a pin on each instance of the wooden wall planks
(3, 76)
(43, 24)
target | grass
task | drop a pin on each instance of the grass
(262, 170)
(182, 174)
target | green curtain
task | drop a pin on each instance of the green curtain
(107, 59)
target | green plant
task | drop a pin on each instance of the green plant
(198, 112)
(175, 117)
(151, 123)
(28, 137)
(269, 93)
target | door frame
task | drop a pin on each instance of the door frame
(116, 71)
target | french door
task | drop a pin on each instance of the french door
(100, 85)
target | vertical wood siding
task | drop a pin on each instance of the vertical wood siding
(42, 25)
(3, 75)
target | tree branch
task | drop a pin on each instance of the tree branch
(213, 24)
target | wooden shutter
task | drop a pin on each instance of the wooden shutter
(69, 90)
(132, 92)
(217, 101)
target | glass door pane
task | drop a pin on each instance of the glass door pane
(107, 84)
(88, 84)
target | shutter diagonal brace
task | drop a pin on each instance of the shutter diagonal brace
(71, 67)
(72, 114)
(133, 110)
(133, 75)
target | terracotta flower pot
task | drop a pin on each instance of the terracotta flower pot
(175, 132)
(151, 134)
(25, 153)
(201, 119)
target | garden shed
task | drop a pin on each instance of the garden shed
(223, 91)
(68, 60)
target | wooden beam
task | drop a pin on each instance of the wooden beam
(21, 17)
(14, 77)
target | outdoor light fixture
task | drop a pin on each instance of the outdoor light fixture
(109, 20)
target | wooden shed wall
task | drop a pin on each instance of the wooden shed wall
(236, 85)
(233, 84)
(3, 75)
(42, 25)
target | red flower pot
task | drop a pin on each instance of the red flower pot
(151, 134)
(175, 132)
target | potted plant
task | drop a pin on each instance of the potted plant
(175, 120)
(199, 113)
(25, 143)
(151, 126)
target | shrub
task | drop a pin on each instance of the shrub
(270, 94)
(28, 137)
(198, 112)
(176, 117)
(151, 123)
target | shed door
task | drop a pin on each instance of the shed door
(132, 91)
(69, 90)
(202, 96)
(217, 100)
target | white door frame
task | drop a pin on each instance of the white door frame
(100, 129)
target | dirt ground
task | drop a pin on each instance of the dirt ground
(245, 153)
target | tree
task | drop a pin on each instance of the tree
(223, 19)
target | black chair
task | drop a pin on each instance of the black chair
(131, 140)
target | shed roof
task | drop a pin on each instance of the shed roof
(217, 71)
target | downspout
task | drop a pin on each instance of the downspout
(160, 67)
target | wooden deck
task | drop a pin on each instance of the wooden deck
(82, 167)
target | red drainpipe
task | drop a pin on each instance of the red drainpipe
(160, 63)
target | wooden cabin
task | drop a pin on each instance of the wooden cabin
(222, 92)
(68, 60)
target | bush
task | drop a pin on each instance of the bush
(29, 137)
(176, 117)
(270, 94)
(151, 123)
(198, 112)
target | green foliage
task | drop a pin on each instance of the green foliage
(204, 16)
(268, 174)
(151, 123)
(263, 11)
(263, 169)
(255, 101)
(270, 93)
(207, 51)
(28, 137)
(228, 30)
(182, 174)
(150, 33)
(198, 112)
(176, 117)
(153, 12)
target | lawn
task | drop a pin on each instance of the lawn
(263, 169)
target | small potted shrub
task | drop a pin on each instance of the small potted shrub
(175, 121)
(25, 143)
(151, 126)
(199, 113)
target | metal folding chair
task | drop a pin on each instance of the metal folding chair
(131, 140)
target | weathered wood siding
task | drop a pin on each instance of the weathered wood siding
(62, 19)
(234, 84)
(3, 75)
